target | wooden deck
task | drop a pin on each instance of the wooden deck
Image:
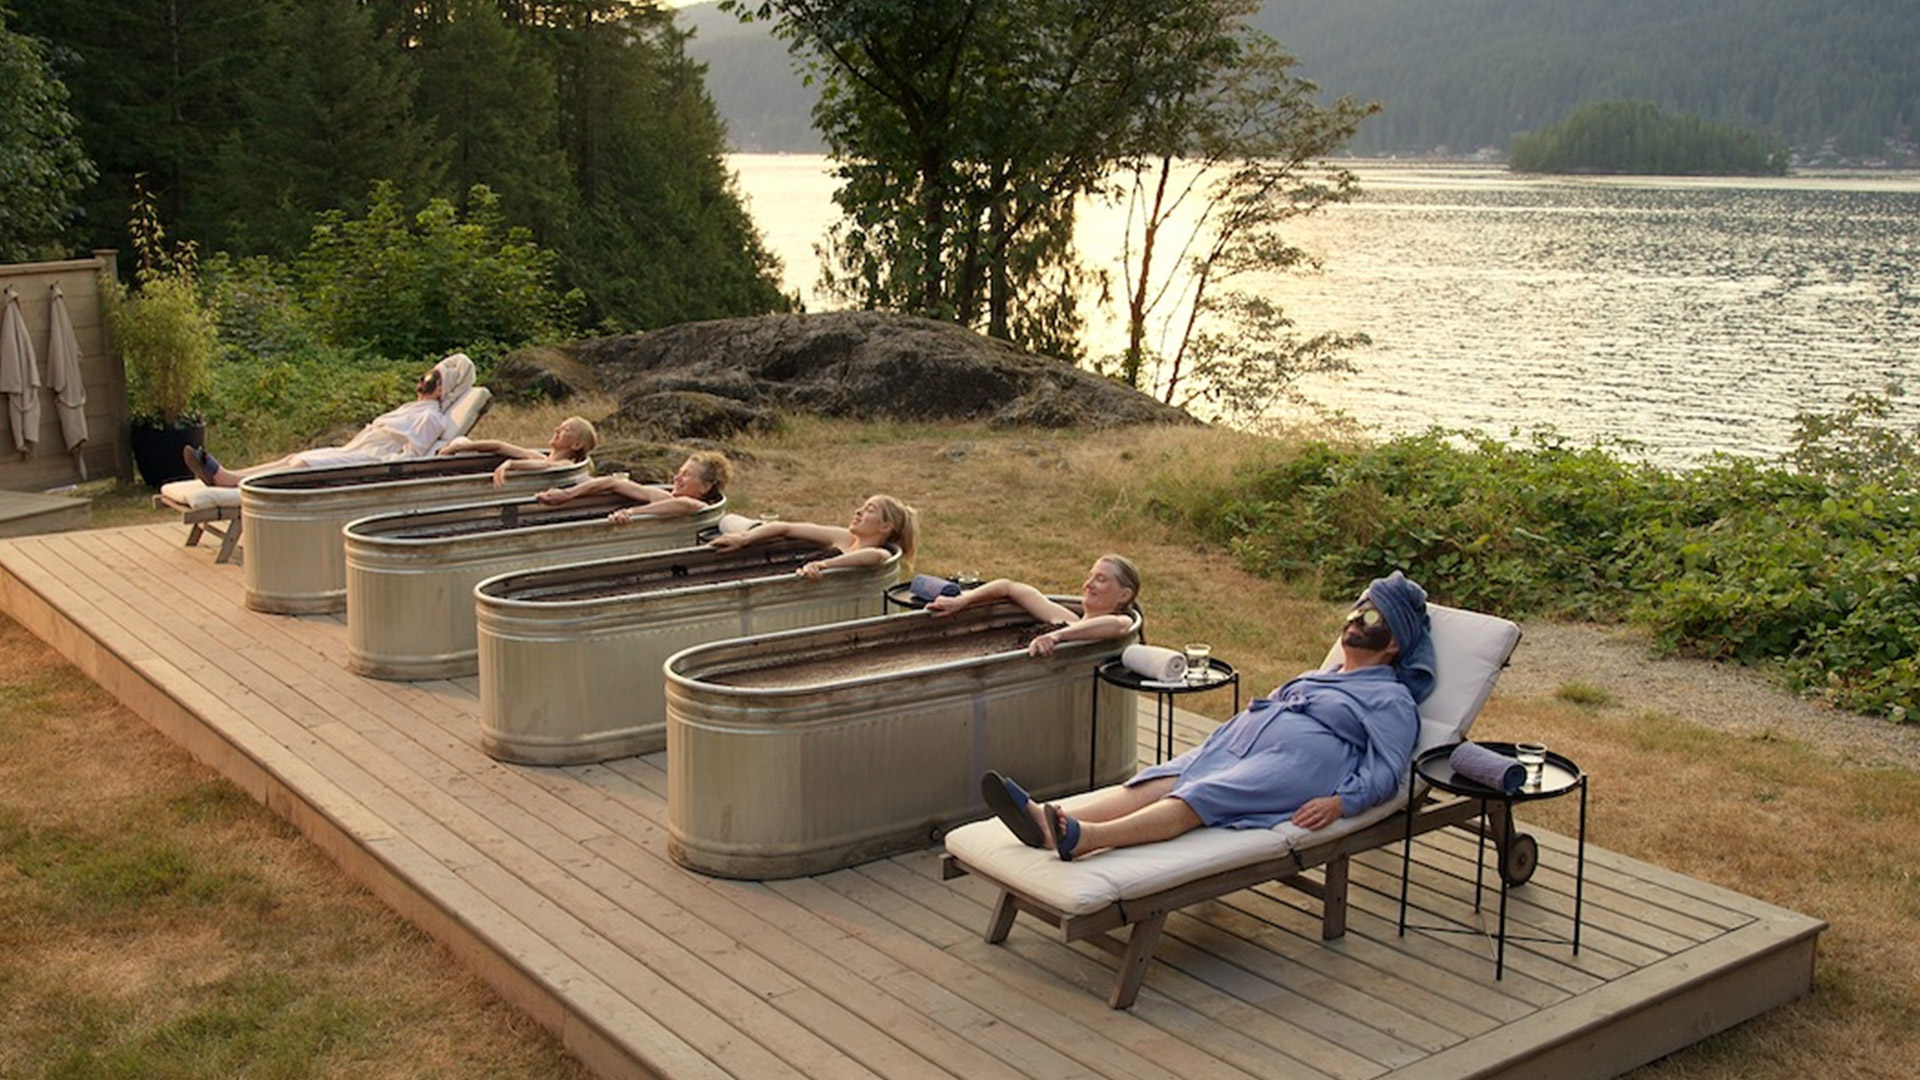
(554, 884)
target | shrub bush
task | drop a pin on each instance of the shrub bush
(1815, 576)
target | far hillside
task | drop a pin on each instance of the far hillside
(1839, 80)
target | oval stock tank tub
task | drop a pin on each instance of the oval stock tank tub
(570, 657)
(411, 577)
(296, 561)
(806, 751)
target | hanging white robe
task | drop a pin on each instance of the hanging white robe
(19, 376)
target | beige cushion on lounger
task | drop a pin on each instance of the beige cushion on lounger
(1470, 649)
(194, 495)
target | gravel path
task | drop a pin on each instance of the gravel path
(1720, 696)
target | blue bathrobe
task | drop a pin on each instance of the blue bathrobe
(1325, 733)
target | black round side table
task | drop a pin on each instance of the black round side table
(1517, 853)
(1219, 673)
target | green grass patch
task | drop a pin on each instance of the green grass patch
(1585, 694)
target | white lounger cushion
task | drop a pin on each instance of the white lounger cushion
(467, 410)
(1470, 650)
(194, 495)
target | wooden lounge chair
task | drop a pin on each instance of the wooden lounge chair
(1095, 898)
(216, 510)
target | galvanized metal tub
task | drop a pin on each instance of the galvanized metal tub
(410, 577)
(570, 657)
(805, 751)
(296, 561)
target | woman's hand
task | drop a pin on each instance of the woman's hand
(500, 475)
(728, 541)
(1044, 644)
(621, 516)
(456, 444)
(1318, 813)
(554, 496)
(945, 605)
(811, 571)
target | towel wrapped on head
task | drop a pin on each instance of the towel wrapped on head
(1404, 605)
(456, 378)
(1154, 663)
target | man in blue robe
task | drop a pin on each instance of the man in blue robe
(1325, 745)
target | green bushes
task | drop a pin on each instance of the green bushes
(341, 335)
(1543, 529)
(433, 282)
(1815, 576)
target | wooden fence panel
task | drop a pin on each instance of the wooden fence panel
(105, 452)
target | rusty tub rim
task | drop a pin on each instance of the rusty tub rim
(485, 593)
(358, 530)
(282, 483)
(997, 610)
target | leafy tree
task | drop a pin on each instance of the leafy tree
(1232, 162)
(425, 285)
(333, 113)
(157, 88)
(658, 234)
(964, 132)
(43, 167)
(489, 92)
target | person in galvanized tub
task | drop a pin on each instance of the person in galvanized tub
(1326, 744)
(1111, 588)
(572, 441)
(881, 526)
(700, 482)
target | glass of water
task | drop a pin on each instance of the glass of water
(1533, 755)
(1199, 659)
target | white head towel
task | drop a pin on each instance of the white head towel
(456, 378)
(1154, 663)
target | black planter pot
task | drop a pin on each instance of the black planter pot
(156, 450)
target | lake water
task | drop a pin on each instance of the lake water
(1686, 315)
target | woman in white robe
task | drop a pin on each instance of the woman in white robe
(413, 430)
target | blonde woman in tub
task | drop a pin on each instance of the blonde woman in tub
(700, 482)
(1327, 744)
(412, 430)
(881, 527)
(572, 441)
(1111, 588)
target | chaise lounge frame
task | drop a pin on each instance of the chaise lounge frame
(1076, 900)
(221, 516)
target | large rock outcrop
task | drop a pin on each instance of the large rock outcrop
(709, 380)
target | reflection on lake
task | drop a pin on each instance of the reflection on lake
(1689, 315)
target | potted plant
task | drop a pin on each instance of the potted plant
(166, 340)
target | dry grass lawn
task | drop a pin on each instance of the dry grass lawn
(145, 904)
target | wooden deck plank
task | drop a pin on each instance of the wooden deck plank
(1064, 1016)
(555, 886)
(405, 795)
(675, 959)
(1217, 1013)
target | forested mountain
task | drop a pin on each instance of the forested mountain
(1456, 76)
(246, 119)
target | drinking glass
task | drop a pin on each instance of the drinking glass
(1533, 755)
(1199, 659)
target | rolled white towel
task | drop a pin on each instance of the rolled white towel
(1157, 664)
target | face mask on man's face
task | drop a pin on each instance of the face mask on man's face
(1366, 629)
